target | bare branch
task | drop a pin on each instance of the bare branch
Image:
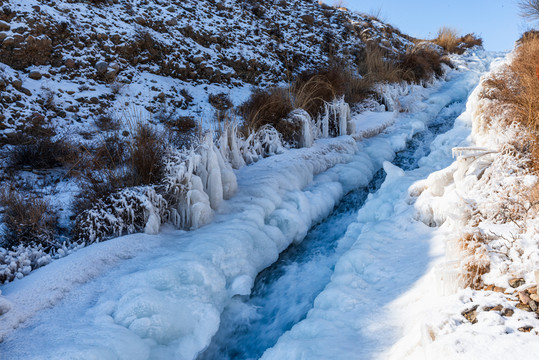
(529, 9)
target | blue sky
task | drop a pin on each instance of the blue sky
(496, 21)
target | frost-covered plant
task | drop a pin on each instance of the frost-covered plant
(475, 260)
(20, 261)
(123, 212)
(196, 183)
(336, 119)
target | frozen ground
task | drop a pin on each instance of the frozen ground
(161, 297)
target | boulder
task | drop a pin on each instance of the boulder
(35, 75)
(101, 67)
(516, 282)
(4, 26)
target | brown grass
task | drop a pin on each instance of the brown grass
(452, 42)
(421, 64)
(28, 219)
(515, 91)
(378, 66)
(447, 38)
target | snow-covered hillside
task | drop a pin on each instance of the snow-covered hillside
(74, 61)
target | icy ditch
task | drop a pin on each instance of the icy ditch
(386, 251)
(169, 290)
(284, 292)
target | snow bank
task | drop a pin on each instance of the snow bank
(166, 300)
(480, 196)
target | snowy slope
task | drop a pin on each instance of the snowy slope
(168, 290)
(74, 61)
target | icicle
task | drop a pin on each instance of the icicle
(307, 128)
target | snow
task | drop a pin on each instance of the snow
(169, 290)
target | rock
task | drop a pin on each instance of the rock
(17, 84)
(534, 297)
(72, 108)
(140, 20)
(524, 307)
(101, 67)
(498, 289)
(171, 22)
(471, 314)
(198, 59)
(8, 42)
(508, 312)
(532, 290)
(20, 30)
(4, 26)
(2, 36)
(70, 63)
(525, 328)
(25, 91)
(524, 298)
(533, 305)
(35, 75)
(497, 308)
(307, 19)
(18, 39)
(516, 282)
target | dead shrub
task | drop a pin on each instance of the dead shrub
(42, 153)
(421, 64)
(147, 151)
(378, 66)
(28, 219)
(266, 107)
(184, 131)
(107, 123)
(469, 41)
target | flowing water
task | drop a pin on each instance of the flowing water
(284, 292)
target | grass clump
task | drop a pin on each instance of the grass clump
(29, 220)
(451, 42)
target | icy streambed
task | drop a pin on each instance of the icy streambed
(385, 252)
(284, 292)
(161, 297)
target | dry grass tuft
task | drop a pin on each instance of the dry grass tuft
(451, 42)
(421, 64)
(515, 91)
(378, 66)
(28, 219)
(447, 38)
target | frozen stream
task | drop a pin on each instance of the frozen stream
(348, 251)
(284, 292)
